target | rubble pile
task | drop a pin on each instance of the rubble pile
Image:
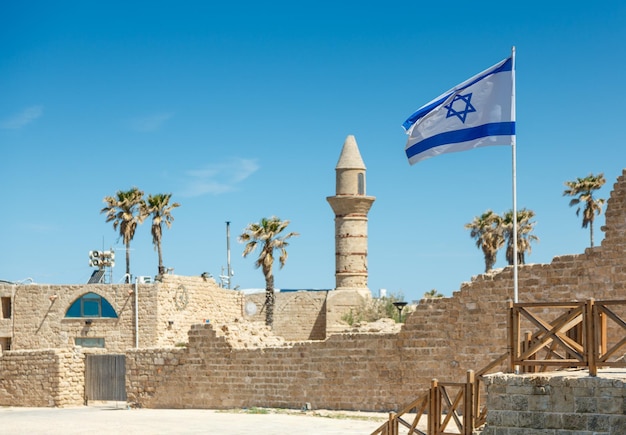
(242, 334)
(384, 326)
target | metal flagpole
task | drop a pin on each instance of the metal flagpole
(228, 271)
(513, 148)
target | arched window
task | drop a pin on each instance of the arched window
(361, 183)
(91, 305)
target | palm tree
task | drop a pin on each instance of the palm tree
(124, 210)
(582, 189)
(524, 237)
(160, 208)
(487, 230)
(266, 235)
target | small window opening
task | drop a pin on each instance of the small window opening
(361, 182)
(6, 307)
(89, 342)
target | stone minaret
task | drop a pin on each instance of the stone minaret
(351, 206)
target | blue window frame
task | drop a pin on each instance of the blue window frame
(89, 342)
(91, 305)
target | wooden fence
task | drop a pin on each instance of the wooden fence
(446, 406)
(566, 335)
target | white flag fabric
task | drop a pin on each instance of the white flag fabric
(478, 112)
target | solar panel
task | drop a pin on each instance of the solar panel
(96, 277)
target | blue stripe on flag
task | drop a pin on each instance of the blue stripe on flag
(506, 66)
(465, 135)
(422, 112)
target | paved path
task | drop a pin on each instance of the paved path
(119, 420)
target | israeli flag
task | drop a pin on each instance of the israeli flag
(478, 112)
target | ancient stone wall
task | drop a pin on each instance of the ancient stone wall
(166, 311)
(38, 316)
(42, 378)
(299, 315)
(556, 404)
(468, 330)
(442, 338)
(343, 372)
(341, 302)
(184, 301)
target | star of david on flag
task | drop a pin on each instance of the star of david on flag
(463, 113)
(478, 112)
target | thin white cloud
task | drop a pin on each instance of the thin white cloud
(215, 179)
(243, 169)
(22, 118)
(40, 228)
(150, 123)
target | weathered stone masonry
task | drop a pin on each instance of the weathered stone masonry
(557, 403)
(42, 378)
(166, 311)
(211, 374)
(443, 338)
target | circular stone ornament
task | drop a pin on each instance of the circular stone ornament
(181, 299)
(250, 308)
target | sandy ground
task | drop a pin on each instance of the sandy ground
(117, 419)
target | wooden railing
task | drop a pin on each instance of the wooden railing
(447, 407)
(567, 335)
(430, 406)
(418, 407)
(479, 407)
(452, 406)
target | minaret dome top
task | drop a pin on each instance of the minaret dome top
(350, 157)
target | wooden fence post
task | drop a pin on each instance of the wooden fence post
(511, 346)
(468, 411)
(434, 409)
(392, 424)
(590, 334)
(525, 346)
(600, 319)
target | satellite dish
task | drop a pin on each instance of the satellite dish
(250, 308)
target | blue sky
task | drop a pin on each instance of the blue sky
(240, 111)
